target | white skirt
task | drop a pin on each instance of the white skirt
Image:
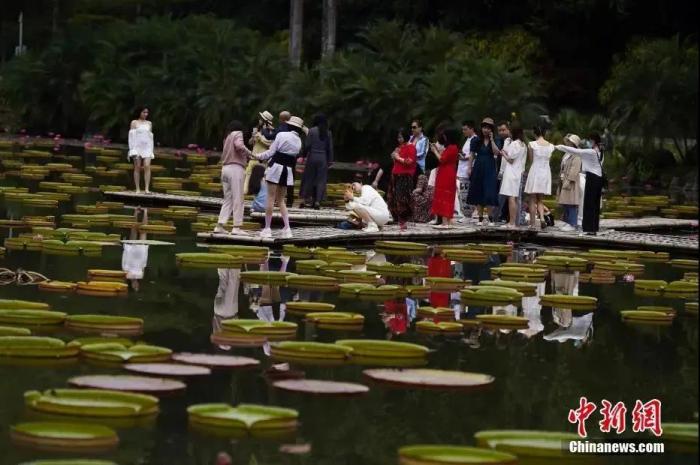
(539, 180)
(510, 184)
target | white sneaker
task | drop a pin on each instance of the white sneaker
(219, 229)
(567, 228)
(266, 233)
(371, 228)
(286, 233)
(239, 232)
(433, 221)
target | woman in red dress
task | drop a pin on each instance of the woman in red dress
(446, 178)
(398, 196)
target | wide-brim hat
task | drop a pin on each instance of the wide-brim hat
(488, 121)
(266, 115)
(296, 122)
(574, 139)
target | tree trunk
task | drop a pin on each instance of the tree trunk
(330, 17)
(296, 29)
(54, 18)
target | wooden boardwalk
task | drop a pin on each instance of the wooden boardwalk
(327, 235)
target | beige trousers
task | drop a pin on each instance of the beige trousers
(232, 182)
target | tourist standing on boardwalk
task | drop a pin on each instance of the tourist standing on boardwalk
(568, 196)
(141, 149)
(482, 182)
(422, 199)
(446, 178)
(260, 140)
(501, 212)
(514, 157)
(283, 153)
(592, 166)
(420, 141)
(369, 206)
(319, 157)
(234, 158)
(468, 131)
(401, 185)
(539, 178)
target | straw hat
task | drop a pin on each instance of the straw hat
(488, 121)
(574, 139)
(296, 122)
(266, 115)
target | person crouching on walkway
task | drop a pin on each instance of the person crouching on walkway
(569, 180)
(369, 206)
(401, 184)
(234, 158)
(283, 153)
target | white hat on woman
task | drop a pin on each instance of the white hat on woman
(266, 115)
(574, 139)
(296, 122)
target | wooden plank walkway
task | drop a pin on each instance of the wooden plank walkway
(326, 235)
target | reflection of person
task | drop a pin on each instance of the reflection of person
(135, 256)
(395, 317)
(532, 311)
(442, 268)
(226, 299)
(576, 328)
(141, 148)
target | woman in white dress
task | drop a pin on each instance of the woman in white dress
(514, 155)
(539, 178)
(141, 149)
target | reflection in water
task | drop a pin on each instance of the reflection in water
(442, 268)
(575, 328)
(267, 302)
(135, 256)
(226, 299)
(532, 311)
(395, 317)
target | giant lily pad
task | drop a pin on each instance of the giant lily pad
(573, 302)
(91, 403)
(128, 383)
(401, 245)
(321, 387)
(37, 347)
(265, 277)
(64, 437)
(32, 317)
(503, 320)
(383, 349)
(524, 443)
(336, 320)
(645, 315)
(301, 308)
(312, 282)
(14, 331)
(208, 260)
(244, 416)
(6, 304)
(115, 352)
(426, 378)
(452, 455)
(105, 323)
(69, 462)
(176, 370)
(274, 330)
(215, 360)
(319, 353)
(448, 328)
(490, 295)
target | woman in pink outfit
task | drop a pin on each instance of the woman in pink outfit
(234, 159)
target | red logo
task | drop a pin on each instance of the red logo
(645, 416)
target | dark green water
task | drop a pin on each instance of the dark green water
(540, 372)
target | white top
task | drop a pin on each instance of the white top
(513, 172)
(141, 139)
(539, 178)
(590, 159)
(464, 156)
(134, 260)
(285, 142)
(369, 198)
(501, 170)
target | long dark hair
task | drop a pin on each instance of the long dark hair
(516, 132)
(319, 120)
(449, 136)
(540, 131)
(595, 138)
(139, 110)
(234, 125)
(256, 177)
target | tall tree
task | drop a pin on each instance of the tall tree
(296, 29)
(330, 17)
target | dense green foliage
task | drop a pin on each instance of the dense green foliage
(198, 73)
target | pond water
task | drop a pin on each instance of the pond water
(540, 372)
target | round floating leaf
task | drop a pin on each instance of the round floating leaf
(69, 462)
(321, 387)
(6, 304)
(128, 383)
(524, 443)
(426, 378)
(115, 352)
(37, 347)
(32, 317)
(645, 315)
(168, 369)
(383, 349)
(64, 437)
(14, 331)
(452, 455)
(91, 403)
(215, 360)
(244, 416)
(503, 320)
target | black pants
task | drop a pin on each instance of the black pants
(591, 203)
